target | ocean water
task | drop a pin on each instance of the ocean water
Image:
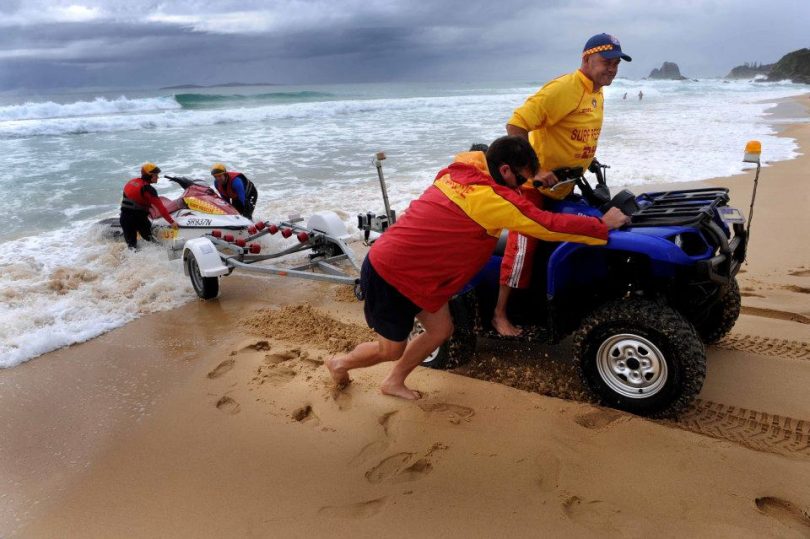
(66, 157)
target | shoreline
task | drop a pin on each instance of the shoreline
(132, 434)
(89, 279)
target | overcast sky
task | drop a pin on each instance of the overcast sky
(141, 43)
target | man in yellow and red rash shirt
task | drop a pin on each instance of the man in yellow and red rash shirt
(442, 240)
(562, 121)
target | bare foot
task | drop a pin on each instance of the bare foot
(504, 327)
(338, 373)
(399, 390)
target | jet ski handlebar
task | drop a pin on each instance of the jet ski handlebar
(184, 182)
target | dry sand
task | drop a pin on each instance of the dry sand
(218, 420)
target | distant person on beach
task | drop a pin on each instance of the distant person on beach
(236, 189)
(624, 96)
(442, 240)
(139, 196)
(640, 95)
(562, 121)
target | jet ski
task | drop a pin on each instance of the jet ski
(198, 211)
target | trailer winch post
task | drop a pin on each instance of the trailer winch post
(379, 157)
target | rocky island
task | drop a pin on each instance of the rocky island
(667, 71)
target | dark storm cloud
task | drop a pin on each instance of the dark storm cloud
(141, 43)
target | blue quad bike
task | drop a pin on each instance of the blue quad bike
(640, 309)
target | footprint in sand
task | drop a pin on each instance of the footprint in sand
(228, 405)
(280, 374)
(453, 412)
(364, 509)
(598, 419)
(281, 357)
(800, 273)
(593, 514)
(415, 471)
(274, 374)
(385, 422)
(397, 466)
(403, 466)
(222, 368)
(305, 414)
(376, 447)
(785, 512)
(549, 472)
(258, 346)
(369, 450)
(341, 396)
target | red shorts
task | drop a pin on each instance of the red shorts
(516, 266)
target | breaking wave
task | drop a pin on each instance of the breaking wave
(100, 106)
(194, 101)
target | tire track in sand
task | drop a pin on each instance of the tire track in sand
(760, 431)
(766, 346)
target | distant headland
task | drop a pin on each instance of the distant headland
(793, 66)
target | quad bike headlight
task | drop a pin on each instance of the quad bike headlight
(691, 243)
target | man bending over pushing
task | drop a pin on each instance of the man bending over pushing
(439, 244)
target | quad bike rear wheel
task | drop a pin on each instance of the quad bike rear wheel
(460, 347)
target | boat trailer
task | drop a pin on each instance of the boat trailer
(218, 254)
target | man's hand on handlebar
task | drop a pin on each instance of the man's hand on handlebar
(614, 218)
(545, 178)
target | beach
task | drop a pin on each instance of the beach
(218, 418)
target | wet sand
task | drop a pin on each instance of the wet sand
(218, 419)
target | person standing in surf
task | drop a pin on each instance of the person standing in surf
(139, 196)
(236, 189)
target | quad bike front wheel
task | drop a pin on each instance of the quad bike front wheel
(722, 315)
(640, 356)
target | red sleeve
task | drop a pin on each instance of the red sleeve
(156, 202)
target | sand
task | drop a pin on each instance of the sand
(218, 419)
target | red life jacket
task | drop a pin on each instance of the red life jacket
(134, 195)
(225, 187)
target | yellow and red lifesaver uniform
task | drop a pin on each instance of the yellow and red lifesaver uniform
(447, 234)
(564, 120)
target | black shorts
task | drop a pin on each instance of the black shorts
(388, 312)
(134, 222)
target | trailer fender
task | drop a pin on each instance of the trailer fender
(207, 257)
(328, 223)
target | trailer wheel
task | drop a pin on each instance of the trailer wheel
(205, 287)
(358, 291)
